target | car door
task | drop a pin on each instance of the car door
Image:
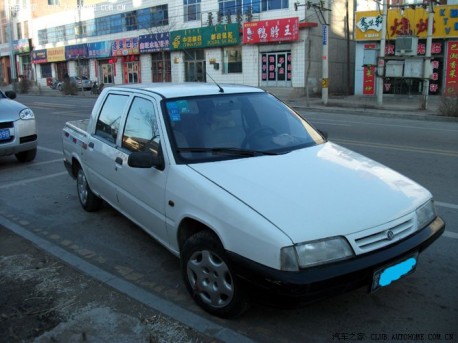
(102, 150)
(141, 191)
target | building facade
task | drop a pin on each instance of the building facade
(269, 43)
(406, 61)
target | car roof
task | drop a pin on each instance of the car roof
(173, 90)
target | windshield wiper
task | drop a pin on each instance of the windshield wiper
(229, 151)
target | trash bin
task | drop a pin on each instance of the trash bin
(49, 81)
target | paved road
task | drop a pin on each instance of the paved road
(425, 303)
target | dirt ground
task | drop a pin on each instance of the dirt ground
(44, 300)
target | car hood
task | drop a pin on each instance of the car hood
(9, 109)
(317, 192)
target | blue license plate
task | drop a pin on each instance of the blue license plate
(4, 134)
(388, 274)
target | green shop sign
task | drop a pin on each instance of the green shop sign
(205, 37)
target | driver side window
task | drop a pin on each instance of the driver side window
(141, 132)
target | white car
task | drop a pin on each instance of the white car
(18, 133)
(247, 193)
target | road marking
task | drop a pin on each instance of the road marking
(35, 179)
(449, 153)
(451, 234)
(46, 162)
(446, 204)
(59, 152)
(180, 314)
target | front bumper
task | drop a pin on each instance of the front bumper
(321, 281)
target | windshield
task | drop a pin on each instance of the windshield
(228, 126)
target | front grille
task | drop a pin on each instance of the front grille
(385, 237)
(6, 125)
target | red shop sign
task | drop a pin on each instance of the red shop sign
(275, 30)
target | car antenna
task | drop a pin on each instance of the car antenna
(221, 90)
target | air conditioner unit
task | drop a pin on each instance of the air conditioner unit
(406, 46)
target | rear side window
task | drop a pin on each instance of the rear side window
(107, 126)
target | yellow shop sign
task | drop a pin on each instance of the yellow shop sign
(410, 21)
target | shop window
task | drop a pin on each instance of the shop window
(238, 6)
(115, 23)
(132, 72)
(160, 15)
(70, 31)
(232, 62)
(161, 67)
(46, 70)
(91, 28)
(106, 73)
(191, 10)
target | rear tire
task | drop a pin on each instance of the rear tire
(26, 156)
(88, 199)
(208, 277)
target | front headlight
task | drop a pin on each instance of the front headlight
(425, 214)
(314, 253)
(26, 113)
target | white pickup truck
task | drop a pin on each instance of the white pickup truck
(250, 196)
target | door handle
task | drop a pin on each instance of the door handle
(118, 160)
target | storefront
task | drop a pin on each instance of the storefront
(78, 58)
(104, 65)
(57, 57)
(276, 67)
(5, 70)
(43, 69)
(158, 46)
(405, 62)
(21, 48)
(199, 44)
(127, 49)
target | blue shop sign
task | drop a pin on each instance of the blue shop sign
(73, 52)
(99, 49)
(154, 42)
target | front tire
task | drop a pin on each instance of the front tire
(26, 156)
(208, 276)
(88, 199)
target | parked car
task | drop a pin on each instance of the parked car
(247, 193)
(79, 82)
(18, 133)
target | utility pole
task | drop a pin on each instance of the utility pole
(325, 58)
(322, 12)
(381, 58)
(427, 61)
(11, 14)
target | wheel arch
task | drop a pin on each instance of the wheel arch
(189, 227)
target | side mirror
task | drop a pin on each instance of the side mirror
(11, 94)
(144, 159)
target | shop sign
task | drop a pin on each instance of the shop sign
(73, 52)
(414, 21)
(99, 49)
(21, 46)
(5, 49)
(56, 54)
(266, 31)
(39, 56)
(205, 37)
(369, 80)
(436, 48)
(451, 76)
(154, 42)
(124, 47)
